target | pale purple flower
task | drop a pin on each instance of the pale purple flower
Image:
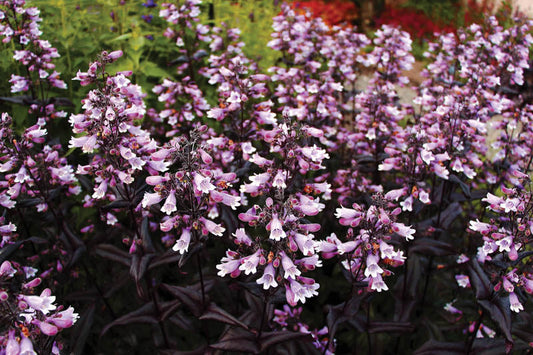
(276, 229)
(515, 304)
(182, 244)
(269, 277)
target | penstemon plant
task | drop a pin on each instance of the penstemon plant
(309, 207)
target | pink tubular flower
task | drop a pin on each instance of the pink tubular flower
(42, 303)
(225, 198)
(241, 237)
(515, 304)
(45, 327)
(182, 244)
(372, 268)
(403, 230)
(64, 319)
(269, 277)
(249, 263)
(212, 227)
(377, 283)
(170, 204)
(12, 346)
(202, 183)
(291, 271)
(276, 229)
(150, 199)
(229, 265)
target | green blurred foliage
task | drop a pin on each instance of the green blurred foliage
(81, 29)
(254, 19)
(445, 11)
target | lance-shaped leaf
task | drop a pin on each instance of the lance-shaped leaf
(392, 327)
(116, 204)
(111, 252)
(214, 312)
(462, 185)
(269, 339)
(145, 314)
(500, 312)
(237, 339)
(29, 202)
(167, 309)
(192, 299)
(9, 249)
(479, 280)
(447, 216)
(341, 313)
(480, 346)
(428, 246)
(182, 321)
(196, 248)
(146, 236)
(139, 265)
(199, 351)
(168, 257)
(82, 329)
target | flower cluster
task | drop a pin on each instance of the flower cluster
(268, 161)
(367, 250)
(191, 189)
(282, 212)
(289, 318)
(507, 238)
(28, 318)
(21, 25)
(109, 126)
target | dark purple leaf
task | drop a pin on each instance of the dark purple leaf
(462, 185)
(269, 339)
(145, 314)
(180, 59)
(85, 183)
(182, 321)
(214, 312)
(192, 299)
(196, 248)
(75, 256)
(146, 237)
(446, 218)
(203, 350)
(29, 202)
(36, 240)
(341, 313)
(365, 159)
(82, 329)
(449, 215)
(237, 339)
(479, 280)
(434, 347)
(500, 312)
(244, 170)
(166, 309)
(116, 204)
(397, 327)
(111, 252)
(139, 265)
(521, 256)
(25, 100)
(483, 346)
(428, 246)
(73, 238)
(167, 257)
(9, 249)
